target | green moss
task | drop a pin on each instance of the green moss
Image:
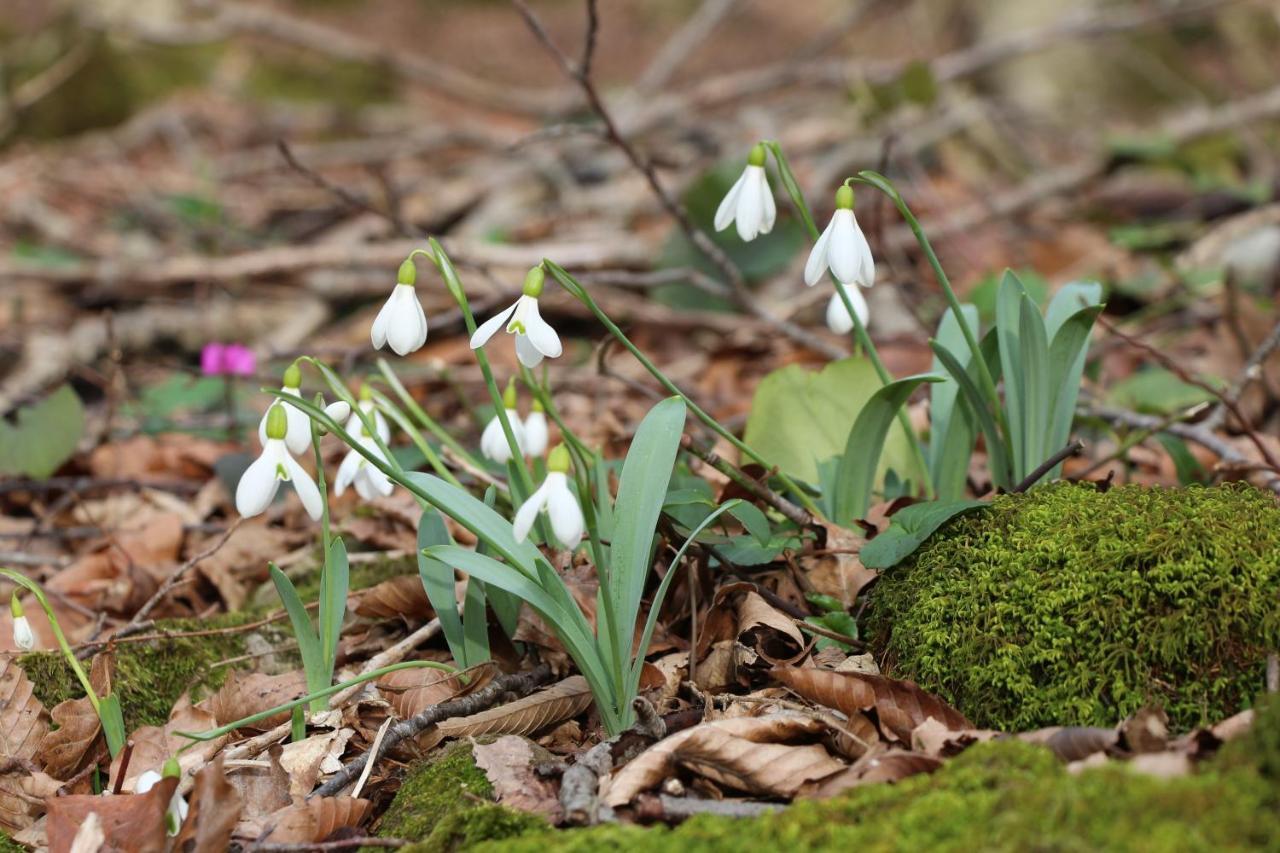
(1073, 606)
(994, 797)
(149, 676)
(288, 75)
(466, 829)
(363, 576)
(8, 845)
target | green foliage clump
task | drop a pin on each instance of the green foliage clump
(1000, 796)
(149, 676)
(1070, 605)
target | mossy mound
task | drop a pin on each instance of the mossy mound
(442, 806)
(1000, 796)
(1071, 605)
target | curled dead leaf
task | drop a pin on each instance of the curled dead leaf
(316, 819)
(214, 811)
(547, 707)
(244, 695)
(899, 706)
(22, 794)
(411, 691)
(152, 745)
(1074, 743)
(401, 596)
(23, 721)
(874, 767)
(130, 822)
(509, 763)
(69, 747)
(935, 739)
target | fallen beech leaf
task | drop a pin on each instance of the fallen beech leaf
(935, 739)
(152, 745)
(401, 596)
(768, 630)
(841, 575)
(547, 707)
(899, 706)
(874, 768)
(263, 787)
(89, 837)
(1146, 731)
(747, 753)
(1073, 743)
(213, 815)
(316, 819)
(306, 759)
(23, 721)
(853, 737)
(1161, 765)
(238, 566)
(244, 695)
(73, 743)
(22, 794)
(123, 575)
(509, 763)
(131, 823)
(411, 691)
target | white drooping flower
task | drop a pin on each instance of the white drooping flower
(842, 248)
(493, 441)
(176, 812)
(355, 426)
(534, 336)
(535, 431)
(369, 480)
(261, 480)
(401, 323)
(749, 201)
(297, 435)
(23, 637)
(555, 497)
(838, 319)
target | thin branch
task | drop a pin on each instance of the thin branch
(1251, 372)
(347, 196)
(1072, 449)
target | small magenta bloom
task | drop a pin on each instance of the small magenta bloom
(227, 360)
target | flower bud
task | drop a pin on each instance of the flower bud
(171, 768)
(509, 396)
(23, 637)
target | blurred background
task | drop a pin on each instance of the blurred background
(175, 174)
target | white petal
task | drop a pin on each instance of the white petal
(312, 501)
(258, 484)
(347, 472)
(407, 325)
(378, 333)
(729, 205)
(146, 781)
(381, 427)
(262, 428)
(838, 319)
(493, 442)
(770, 207)
(23, 637)
(377, 481)
(298, 434)
(528, 513)
(562, 507)
(750, 207)
(816, 266)
(178, 805)
(535, 433)
(338, 411)
(867, 265)
(490, 327)
(527, 352)
(843, 252)
(540, 333)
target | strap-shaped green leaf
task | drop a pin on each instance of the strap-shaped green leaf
(997, 449)
(952, 428)
(1008, 324)
(481, 520)
(1034, 362)
(1069, 321)
(505, 605)
(112, 717)
(335, 582)
(303, 631)
(856, 474)
(438, 582)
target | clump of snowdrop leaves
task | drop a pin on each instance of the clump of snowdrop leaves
(535, 430)
(368, 479)
(23, 637)
(838, 319)
(176, 813)
(535, 339)
(261, 480)
(493, 441)
(401, 323)
(842, 248)
(555, 497)
(749, 202)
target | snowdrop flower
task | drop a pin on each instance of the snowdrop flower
(555, 497)
(23, 637)
(356, 470)
(401, 323)
(355, 426)
(297, 435)
(177, 811)
(534, 336)
(838, 319)
(493, 441)
(842, 248)
(260, 482)
(535, 431)
(750, 201)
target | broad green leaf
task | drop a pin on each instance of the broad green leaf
(112, 717)
(1036, 401)
(800, 418)
(908, 528)
(1008, 324)
(1067, 354)
(303, 631)
(856, 476)
(997, 451)
(505, 605)
(753, 520)
(43, 435)
(475, 516)
(1156, 391)
(438, 582)
(1189, 469)
(475, 624)
(952, 427)
(335, 582)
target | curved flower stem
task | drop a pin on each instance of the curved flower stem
(579, 292)
(211, 734)
(421, 416)
(35, 589)
(860, 335)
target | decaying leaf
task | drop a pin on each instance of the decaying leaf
(1074, 743)
(131, 823)
(411, 691)
(769, 631)
(402, 596)
(933, 738)
(1146, 731)
(152, 745)
(22, 794)
(263, 786)
(875, 767)
(316, 819)
(547, 707)
(23, 721)
(214, 811)
(753, 754)
(840, 574)
(509, 763)
(68, 748)
(899, 706)
(244, 695)
(307, 759)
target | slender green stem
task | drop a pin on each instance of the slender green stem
(420, 415)
(212, 734)
(34, 588)
(326, 543)
(392, 411)
(579, 292)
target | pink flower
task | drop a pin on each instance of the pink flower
(227, 360)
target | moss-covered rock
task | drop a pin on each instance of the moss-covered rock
(442, 806)
(1071, 605)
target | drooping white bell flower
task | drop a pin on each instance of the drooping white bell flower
(535, 431)
(355, 426)
(534, 336)
(23, 637)
(177, 810)
(401, 323)
(297, 435)
(749, 201)
(555, 497)
(493, 441)
(261, 480)
(842, 248)
(838, 319)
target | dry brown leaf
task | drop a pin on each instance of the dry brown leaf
(214, 812)
(152, 745)
(121, 576)
(899, 706)
(22, 794)
(728, 751)
(74, 742)
(933, 738)
(307, 759)
(411, 691)
(316, 819)
(402, 597)
(244, 695)
(178, 456)
(1073, 743)
(23, 721)
(547, 707)
(239, 566)
(131, 823)
(769, 631)
(508, 762)
(89, 837)
(674, 669)
(875, 767)
(263, 787)
(1146, 731)
(840, 575)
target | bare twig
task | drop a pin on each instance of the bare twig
(347, 196)
(1251, 372)
(793, 513)
(1073, 448)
